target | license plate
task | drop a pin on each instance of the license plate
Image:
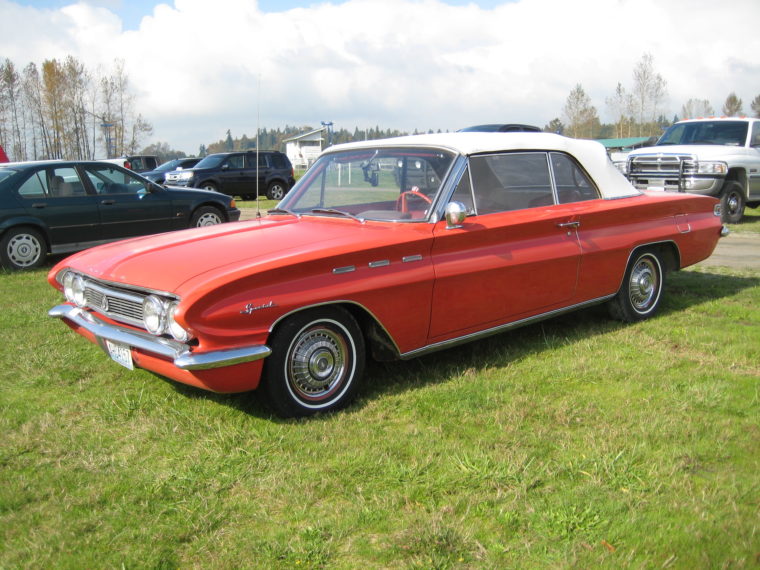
(657, 188)
(120, 353)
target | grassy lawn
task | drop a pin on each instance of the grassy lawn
(750, 224)
(579, 442)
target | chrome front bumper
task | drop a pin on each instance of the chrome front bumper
(178, 352)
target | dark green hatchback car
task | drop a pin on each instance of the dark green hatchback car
(61, 207)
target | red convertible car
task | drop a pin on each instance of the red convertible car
(390, 249)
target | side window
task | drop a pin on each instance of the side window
(513, 181)
(35, 187)
(236, 161)
(111, 181)
(263, 161)
(573, 185)
(755, 138)
(66, 182)
(278, 161)
(463, 192)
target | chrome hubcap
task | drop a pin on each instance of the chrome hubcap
(208, 220)
(24, 250)
(643, 285)
(733, 204)
(317, 366)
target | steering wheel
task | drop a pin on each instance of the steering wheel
(415, 191)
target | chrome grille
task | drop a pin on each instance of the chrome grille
(118, 303)
(662, 164)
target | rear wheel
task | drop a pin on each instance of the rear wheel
(732, 203)
(316, 364)
(276, 191)
(641, 292)
(22, 248)
(206, 216)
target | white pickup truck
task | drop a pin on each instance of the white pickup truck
(714, 157)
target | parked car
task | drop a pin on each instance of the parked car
(158, 175)
(394, 248)
(712, 157)
(234, 173)
(60, 207)
(501, 128)
(137, 163)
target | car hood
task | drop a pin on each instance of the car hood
(713, 151)
(180, 261)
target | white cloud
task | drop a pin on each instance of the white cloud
(196, 65)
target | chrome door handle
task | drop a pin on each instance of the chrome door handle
(569, 225)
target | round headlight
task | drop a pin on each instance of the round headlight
(75, 290)
(154, 314)
(174, 328)
(66, 281)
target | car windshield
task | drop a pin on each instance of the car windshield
(732, 133)
(211, 161)
(169, 165)
(398, 184)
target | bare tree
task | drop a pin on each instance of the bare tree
(649, 93)
(694, 108)
(733, 105)
(621, 107)
(580, 113)
(11, 110)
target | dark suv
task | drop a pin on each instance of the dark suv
(234, 174)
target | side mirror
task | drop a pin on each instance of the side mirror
(456, 212)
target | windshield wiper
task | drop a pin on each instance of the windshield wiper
(283, 211)
(338, 212)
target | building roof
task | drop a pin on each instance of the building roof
(309, 136)
(629, 142)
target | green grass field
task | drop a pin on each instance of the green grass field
(580, 442)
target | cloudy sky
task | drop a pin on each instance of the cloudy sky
(200, 67)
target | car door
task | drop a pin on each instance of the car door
(515, 256)
(754, 167)
(129, 205)
(58, 197)
(232, 175)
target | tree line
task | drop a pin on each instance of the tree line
(63, 110)
(638, 111)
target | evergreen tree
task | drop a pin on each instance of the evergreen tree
(733, 106)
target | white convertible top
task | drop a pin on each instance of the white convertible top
(590, 154)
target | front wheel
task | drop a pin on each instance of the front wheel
(641, 291)
(316, 364)
(22, 248)
(276, 191)
(206, 216)
(732, 203)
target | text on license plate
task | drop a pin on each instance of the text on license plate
(120, 353)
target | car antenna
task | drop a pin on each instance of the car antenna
(258, 124)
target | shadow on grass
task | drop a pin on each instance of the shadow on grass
(683, 290)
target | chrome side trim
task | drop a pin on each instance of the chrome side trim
(381, 263)
(178, 352)
(500, 329)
